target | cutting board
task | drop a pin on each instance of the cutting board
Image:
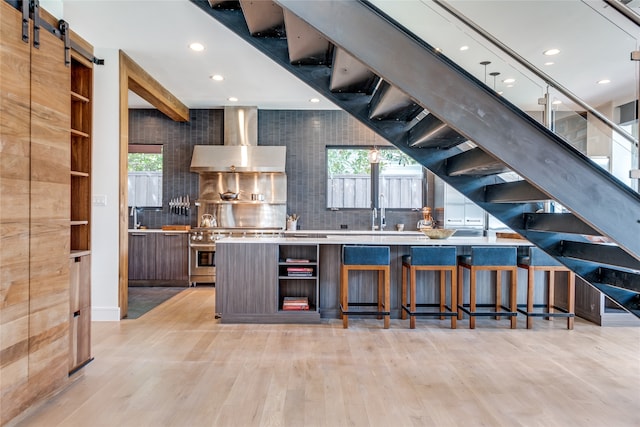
(176, 227)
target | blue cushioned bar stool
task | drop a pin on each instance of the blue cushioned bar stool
(538, 260)
(359, 258)
(489, 258)
(429, 258)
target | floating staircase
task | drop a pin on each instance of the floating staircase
(457, 127)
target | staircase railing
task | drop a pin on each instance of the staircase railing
(539, 94)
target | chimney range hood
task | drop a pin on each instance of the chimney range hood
(240, 152)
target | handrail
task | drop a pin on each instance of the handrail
(549, 80)
(623, 9)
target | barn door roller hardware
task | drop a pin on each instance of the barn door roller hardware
(31, 10)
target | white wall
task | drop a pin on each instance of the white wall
(105, 158)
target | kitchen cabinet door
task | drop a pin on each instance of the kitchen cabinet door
(142, 256)
(172, 257)
(247, 278)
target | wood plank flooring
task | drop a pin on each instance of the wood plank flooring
(178, 366)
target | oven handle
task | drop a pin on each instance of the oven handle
(202, 245)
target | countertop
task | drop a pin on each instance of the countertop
(157, 230)
(358, 237)
(397, 239)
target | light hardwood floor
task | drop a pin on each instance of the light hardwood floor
(178, 366)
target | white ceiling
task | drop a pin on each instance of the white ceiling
(156, 34)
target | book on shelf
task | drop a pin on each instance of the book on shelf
(301, 260)
(295, 303)
(300, 269)
(300, 275)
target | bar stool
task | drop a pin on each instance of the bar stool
(360, 258)
(538, 260)
(489, 258)
(429, 258)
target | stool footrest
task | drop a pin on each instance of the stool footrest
(363, 312)
(505, 313)
(430, 313)
(562, 313)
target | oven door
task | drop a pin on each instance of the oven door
(202, 263)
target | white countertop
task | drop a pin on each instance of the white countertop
(156, 230)
(397, 239)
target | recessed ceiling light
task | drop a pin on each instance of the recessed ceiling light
(232, 99)
(509, 80)
(437, 49)
(463, 48)
(314, 100)
(217, 77)
(604, 81)
(198, 47)
(550, 52)
(549, 63)
(557, 102)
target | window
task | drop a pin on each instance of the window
(349, 176)
(145, 175)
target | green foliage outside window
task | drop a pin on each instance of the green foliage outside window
(145, 162)
(354, 161)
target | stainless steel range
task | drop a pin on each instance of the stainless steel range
(242, 190)
(202, 256)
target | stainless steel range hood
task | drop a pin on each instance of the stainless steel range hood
(240, 152)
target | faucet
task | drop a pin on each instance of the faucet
(373, 219)
(383, 216)
(134, 214)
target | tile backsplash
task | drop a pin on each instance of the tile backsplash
(305, 133)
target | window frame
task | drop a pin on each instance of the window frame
(366, 149)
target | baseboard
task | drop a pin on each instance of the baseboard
(105, 314)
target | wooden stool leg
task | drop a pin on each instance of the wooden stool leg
(443, 292)
(344, 295)
(472, 297)
(571, 297)
(530, 287)
(498, 292)
(460, 295)
(412, 297)
(551, 300)
(513, 297)
(454, 296)
(403, 295)
(387, 296)
(380, 290)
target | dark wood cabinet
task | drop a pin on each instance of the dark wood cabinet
(253, 280)
(142, 256)
(159, 257)
(172, 255)
(246, 283)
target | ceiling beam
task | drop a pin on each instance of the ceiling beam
(148, 88)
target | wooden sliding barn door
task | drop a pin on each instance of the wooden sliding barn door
(34, 215)
(50, 216)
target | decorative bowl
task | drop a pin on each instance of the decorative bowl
(438, 233)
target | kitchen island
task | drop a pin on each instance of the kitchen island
(255, 274)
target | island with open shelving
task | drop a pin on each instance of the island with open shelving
(255, 274)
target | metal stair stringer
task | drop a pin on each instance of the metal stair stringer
(481, 115)
(468, 107)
